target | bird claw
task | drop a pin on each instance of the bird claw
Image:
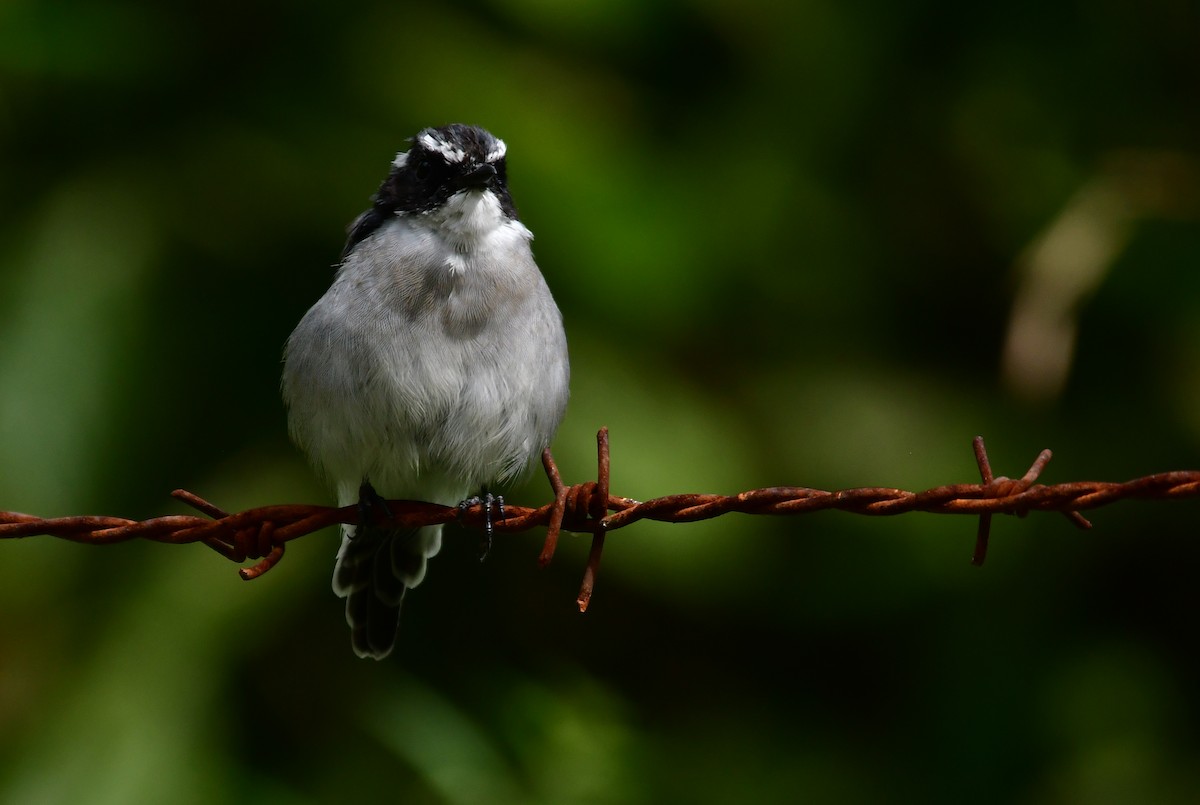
(488, 501)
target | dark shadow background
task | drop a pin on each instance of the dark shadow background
(790, 242)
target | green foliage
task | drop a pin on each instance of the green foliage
(788, 241)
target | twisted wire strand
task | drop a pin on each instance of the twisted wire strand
(262, 533)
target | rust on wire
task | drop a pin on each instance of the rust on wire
(261, 534)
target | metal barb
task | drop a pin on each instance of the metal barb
(985, 520)
(598, 510)
(1001, 488)
(558, 508)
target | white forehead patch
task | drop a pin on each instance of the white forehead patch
(497, 152)
(448, 152)
(401, 160)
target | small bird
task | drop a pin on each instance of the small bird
(435, 364)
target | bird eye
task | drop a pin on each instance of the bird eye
(423, 170)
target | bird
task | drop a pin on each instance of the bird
(434, 365)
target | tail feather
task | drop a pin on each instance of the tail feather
(387, 584)
(375, 567)
(373, 624)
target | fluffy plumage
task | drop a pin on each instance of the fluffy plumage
(435, 364)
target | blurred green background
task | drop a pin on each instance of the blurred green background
(811, 244)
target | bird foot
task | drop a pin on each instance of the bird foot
(488, 501)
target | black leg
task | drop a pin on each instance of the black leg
(370, 503)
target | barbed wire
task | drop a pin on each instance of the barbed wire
(262, 533)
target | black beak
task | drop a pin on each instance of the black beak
(477, 178)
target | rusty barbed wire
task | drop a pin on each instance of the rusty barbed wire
(262, 533)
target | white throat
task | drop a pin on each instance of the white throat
(467, 218)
